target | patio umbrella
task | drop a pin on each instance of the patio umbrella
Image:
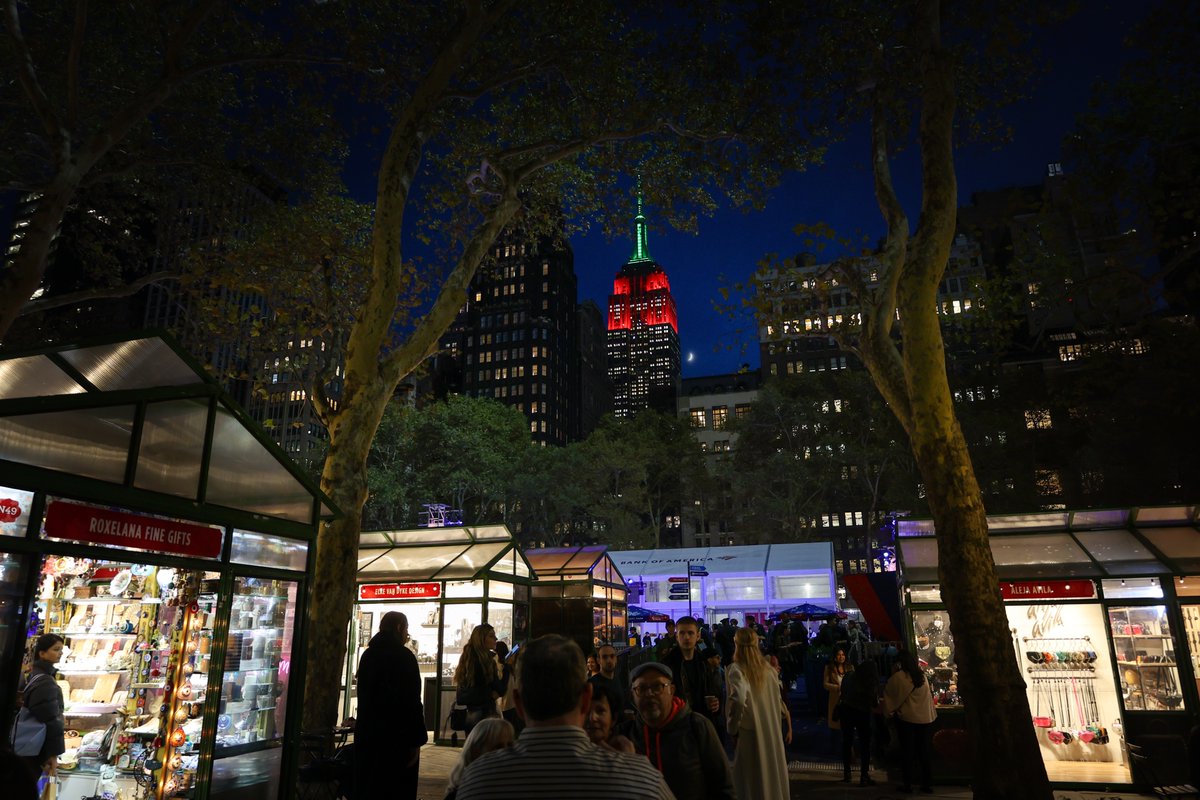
(810, 610)
(639, 614)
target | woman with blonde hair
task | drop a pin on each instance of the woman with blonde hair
(755, 709)
(488, 735)
(478, 677)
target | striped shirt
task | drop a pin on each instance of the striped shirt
(560, 762)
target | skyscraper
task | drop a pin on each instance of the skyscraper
(516, 340)
(643, 332)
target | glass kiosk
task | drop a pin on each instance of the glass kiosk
(127, 526)
(445, 580)
(580, 594)
(1099, 627)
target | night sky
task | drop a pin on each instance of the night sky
(1086, 49)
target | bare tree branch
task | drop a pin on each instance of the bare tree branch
(98, 293)
(27, 75)
(73, 58)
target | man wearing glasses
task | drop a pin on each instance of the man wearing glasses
(683, 746)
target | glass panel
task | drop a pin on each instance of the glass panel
(600, 591)
(584, 560)
(254, 688)
(1120, 553)
(924, 594)
(429, 535)
(1189, 587)
(92, 442)
(250, 776)
(1145, 649)
(1115, 589)
(1113, 518)
(458, 620)
(491, 533)
(137, 364)
(618, 631)
(620, 594)
(1181, 545)
(577, 589)
(914, 527)
(1164, 515)
(521, 567)
(600, 626)
(14, 512)
(785, 588)
(935, 654)
(507, 565)
(731, 590)
(376, 538)
(172, 447)
(407, 563)
(500, 617)
(1191, 629)
(1028, 522)
(500, 590)
(265, 550)
(549, 560)
(472, 562)
(464, 588)
(34, 376)
(919, 558)
(1039, 556)
(238, 456)
(520, 622)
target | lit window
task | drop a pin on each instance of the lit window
(699, 420)
(1038, 419)
(719, 416)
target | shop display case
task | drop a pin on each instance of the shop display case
(257, 658)
(1146, 663)
(935, 654)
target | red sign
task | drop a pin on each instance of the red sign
(1049, 590)
(9, 510)
(677, 580)
(121, 529)
(399, 591)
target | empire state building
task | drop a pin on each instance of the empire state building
(643, 332)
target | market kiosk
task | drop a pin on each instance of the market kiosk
(1104, 608)
(445, 580)
(150, 523)
(580, 594)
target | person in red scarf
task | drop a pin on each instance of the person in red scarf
(682, 745)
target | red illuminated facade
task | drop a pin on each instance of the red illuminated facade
(643, 332)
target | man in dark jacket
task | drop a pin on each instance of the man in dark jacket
(683, 746)
(694, 680)
(390, 727)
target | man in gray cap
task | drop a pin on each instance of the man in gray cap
(681, 745)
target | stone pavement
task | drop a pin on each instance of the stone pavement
(810, 780)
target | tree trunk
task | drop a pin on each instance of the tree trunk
(344, 479)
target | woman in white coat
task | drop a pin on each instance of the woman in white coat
(756, 711)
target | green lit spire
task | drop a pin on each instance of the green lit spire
(641, 251)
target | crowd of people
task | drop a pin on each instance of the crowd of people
(707, 717)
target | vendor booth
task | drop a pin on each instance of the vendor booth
(580, 594)
(445, 580)
(712, 583)
(1105, 615)
(151, 524)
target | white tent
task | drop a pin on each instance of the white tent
(751, 579)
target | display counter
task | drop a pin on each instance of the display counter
(1096, 619)
(445, 580)
(127, 528)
